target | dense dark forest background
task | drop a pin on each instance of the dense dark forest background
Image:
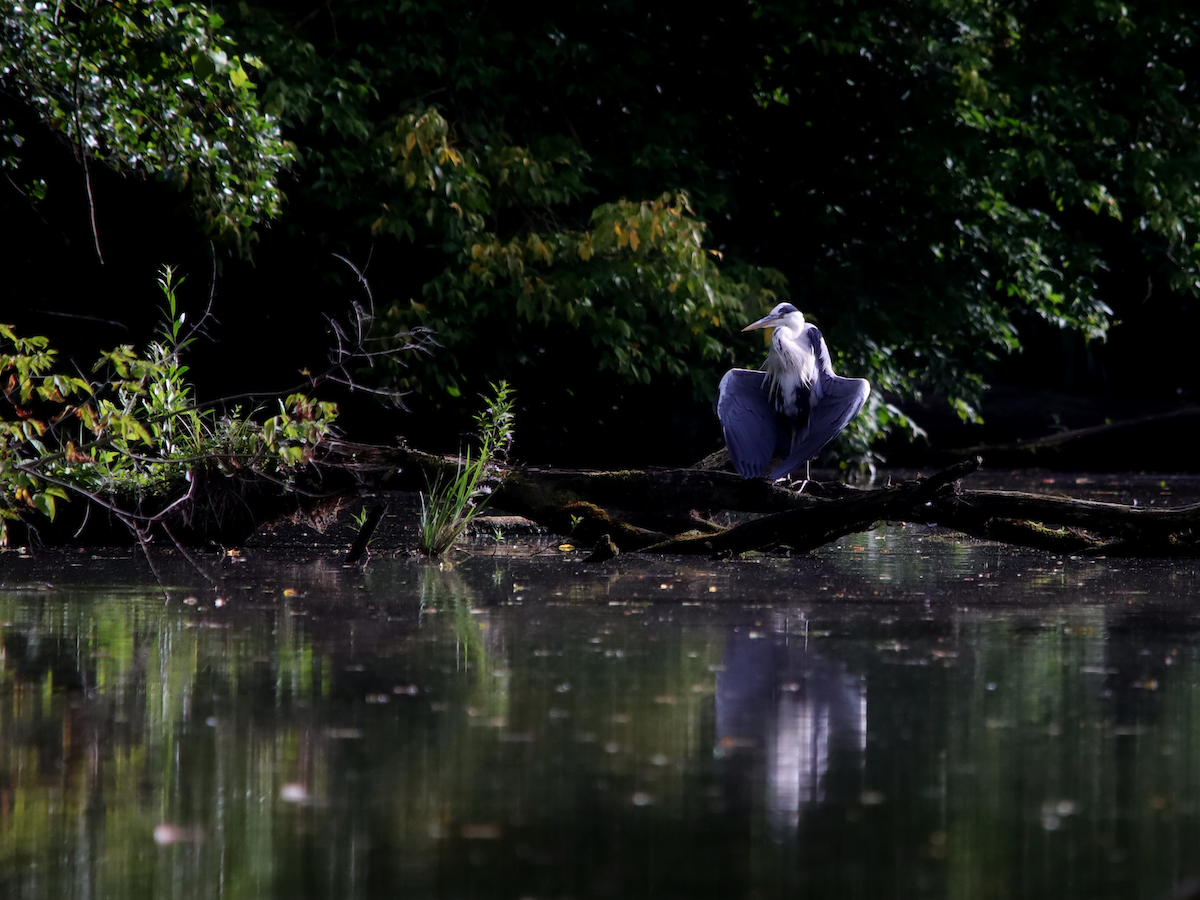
(591, 199)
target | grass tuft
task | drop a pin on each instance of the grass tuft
(451, 504)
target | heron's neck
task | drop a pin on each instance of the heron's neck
(790, 365)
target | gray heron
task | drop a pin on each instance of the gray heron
(793, 406)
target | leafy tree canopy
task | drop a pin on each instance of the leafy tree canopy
(151, 87)
(930, 177)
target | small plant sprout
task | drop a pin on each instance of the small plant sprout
(451, 504)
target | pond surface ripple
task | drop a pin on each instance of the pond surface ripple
(902, 714)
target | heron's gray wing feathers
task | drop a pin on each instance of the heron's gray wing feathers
(748, 419)
(839, 401)
(833, 400)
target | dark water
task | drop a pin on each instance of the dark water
(900, 715)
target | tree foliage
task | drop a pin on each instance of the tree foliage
(619, 187)
(151, 87)
(516, 247)
(637, 279)
(132, 439)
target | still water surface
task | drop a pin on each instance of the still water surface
(899, 715)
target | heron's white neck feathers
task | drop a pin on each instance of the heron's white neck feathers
(790, 364)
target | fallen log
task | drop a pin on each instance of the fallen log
(1085, 526)
(826, 520)
(668, 511)
(636, 507)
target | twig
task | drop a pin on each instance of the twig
(87, 175)
(87, 517)
(198, 328)
(144, 543)
(178, 546)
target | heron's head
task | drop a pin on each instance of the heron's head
(783, 314)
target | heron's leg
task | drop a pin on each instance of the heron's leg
(807, 477)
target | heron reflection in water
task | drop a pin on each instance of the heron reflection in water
(791, 408)
(804, 712)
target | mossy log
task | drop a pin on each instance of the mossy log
(665, 510)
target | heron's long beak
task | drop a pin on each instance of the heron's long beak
(765, 322)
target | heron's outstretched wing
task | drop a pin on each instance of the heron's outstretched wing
(840, 402)
(748, 419)
(834, 402)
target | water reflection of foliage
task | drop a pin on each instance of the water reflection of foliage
(996, 739)
(479, 648)
(119, 742)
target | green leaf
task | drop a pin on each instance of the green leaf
(43, 502)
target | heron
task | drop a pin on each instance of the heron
(793, 406)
